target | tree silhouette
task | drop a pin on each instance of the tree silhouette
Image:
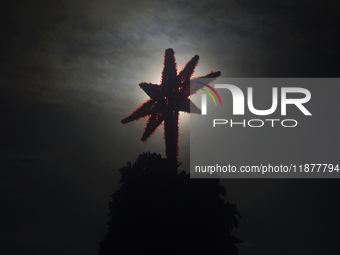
(158, 209)
(161, 211)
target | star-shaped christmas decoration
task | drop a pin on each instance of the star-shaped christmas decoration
(168, 98)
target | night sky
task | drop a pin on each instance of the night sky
(69, 74)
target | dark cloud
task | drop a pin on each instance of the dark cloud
(70, 72)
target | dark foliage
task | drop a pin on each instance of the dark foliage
(161, 211)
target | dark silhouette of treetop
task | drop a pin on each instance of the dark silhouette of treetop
(159, 211)
(167, 99)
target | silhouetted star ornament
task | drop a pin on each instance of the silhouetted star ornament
(167, 99)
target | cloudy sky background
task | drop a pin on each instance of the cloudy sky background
(70, 72)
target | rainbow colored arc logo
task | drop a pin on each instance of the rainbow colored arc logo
(204, 107)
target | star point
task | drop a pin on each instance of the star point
(171, 96)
